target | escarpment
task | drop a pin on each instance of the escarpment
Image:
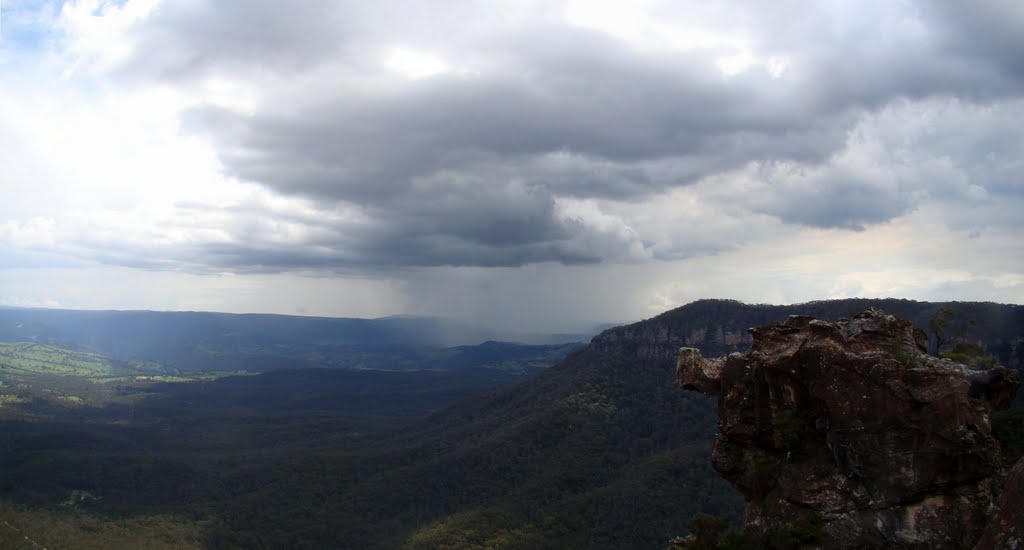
(853, 423)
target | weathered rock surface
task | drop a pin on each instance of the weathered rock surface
(1005, 531)
(853, 421)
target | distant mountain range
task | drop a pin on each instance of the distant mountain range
(719, 327)
(201, 341)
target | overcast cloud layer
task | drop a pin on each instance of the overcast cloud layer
(778, 151)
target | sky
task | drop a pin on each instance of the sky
(530, 165)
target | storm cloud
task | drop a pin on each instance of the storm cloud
(470, 163)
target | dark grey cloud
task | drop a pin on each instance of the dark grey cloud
(942, 153)
(466, 169)
(875, 51)
(185, 41)
(987, 33)
(848, 201)
(472, 167)
(190, 39)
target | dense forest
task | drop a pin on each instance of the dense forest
(489, 447)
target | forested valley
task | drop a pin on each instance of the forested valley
(223, 434)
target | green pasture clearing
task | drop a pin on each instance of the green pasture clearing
(32, 358)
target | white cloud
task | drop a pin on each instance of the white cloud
(95, 32)
(17, 301)
(37, 232)
(416, 64)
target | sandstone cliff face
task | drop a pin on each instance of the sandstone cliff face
(853, 422)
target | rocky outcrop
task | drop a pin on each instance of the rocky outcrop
(851, 422)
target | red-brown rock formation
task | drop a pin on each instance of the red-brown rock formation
(853, 421)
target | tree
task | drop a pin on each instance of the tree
(941, 325)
